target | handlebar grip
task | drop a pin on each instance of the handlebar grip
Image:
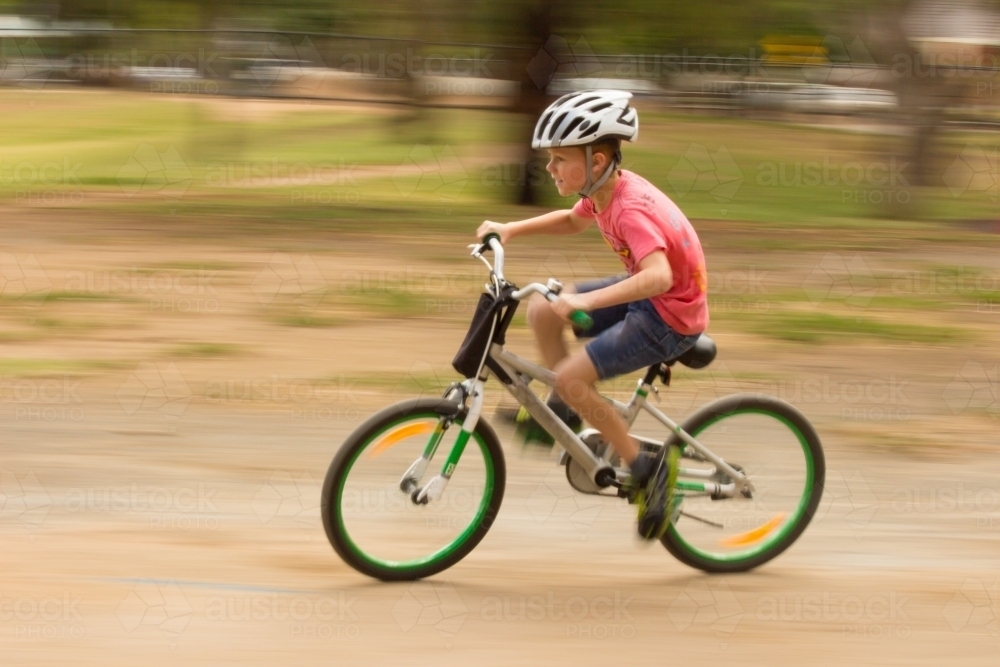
(581, 319)
(491, 235)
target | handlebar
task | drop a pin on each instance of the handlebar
(492, 242)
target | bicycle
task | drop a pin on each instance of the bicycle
(747, 469)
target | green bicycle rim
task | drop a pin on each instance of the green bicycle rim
(445, 551)
(788, 526)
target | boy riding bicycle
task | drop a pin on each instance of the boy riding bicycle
(654, 313)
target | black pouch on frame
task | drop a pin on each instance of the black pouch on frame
(477, 340)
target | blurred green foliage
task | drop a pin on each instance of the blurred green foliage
(621, 26)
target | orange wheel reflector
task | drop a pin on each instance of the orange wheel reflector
(755, 535)
(403, 432)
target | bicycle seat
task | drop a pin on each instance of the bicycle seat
(701, 353)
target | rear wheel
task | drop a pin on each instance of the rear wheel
(370, 515)
(777, 448)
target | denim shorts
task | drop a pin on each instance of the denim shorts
(629, 336)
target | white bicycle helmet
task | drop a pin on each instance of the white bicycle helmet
(580, 119)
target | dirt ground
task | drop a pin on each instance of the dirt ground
(170, 404)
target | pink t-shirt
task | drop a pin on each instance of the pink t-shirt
(641, 220)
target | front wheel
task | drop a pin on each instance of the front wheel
(778, 450)
(370, 512)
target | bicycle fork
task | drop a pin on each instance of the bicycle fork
(433, 489)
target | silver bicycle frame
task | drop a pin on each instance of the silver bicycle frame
(522, 372)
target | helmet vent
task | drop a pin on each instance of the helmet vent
(542, 126)
(556, 123)
(572, 126)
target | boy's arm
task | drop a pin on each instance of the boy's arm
(556, 222)
(653, 277)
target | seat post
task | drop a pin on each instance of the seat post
(651, 374)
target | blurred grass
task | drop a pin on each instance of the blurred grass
(386, 302)
(324, 165)
(205, 350)
(814, 327)
(428, 381)
(72, 295)
(310, 321)
(49, 367)
(280, 169)
(61, 325)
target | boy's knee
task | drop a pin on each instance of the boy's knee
(570, 387)
(540, 312)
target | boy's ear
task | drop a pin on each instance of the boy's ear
(600, 160)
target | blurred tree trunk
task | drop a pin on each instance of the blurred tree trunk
(923, 92)
(533, 73)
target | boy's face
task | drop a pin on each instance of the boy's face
(568, 168)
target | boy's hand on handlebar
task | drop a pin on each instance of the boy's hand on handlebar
(496, 228)
(567, 304)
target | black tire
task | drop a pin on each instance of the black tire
(735, 404)
(358, 440)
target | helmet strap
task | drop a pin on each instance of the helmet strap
(591, 186)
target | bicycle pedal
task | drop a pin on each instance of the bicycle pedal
(651, 525)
